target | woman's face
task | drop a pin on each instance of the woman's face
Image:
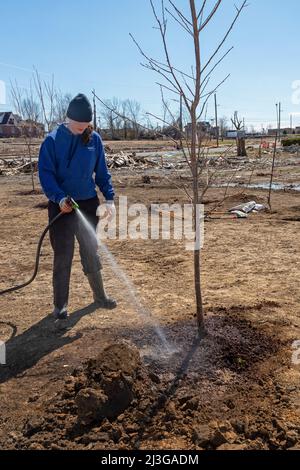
(77, 127)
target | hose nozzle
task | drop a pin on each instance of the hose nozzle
(72, 203)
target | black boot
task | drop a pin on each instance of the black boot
(60, 313)
(100, 297)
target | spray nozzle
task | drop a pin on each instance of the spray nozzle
(72, 203)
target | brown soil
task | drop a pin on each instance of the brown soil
(102, 380)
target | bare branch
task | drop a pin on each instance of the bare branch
(215, 89)
(212, 13)
(166, 106)
(179, 22)
(154, 65)
(180, 14)
(204, 85)
(202, 10)
(179, 131)
(209, 95)
(181, 188)
(239, 11)
(151, 67)
(238, 123)
(167, 88)
(187, 85)
(163, 36)
(127, 118)
(219, 61)
(182, 19)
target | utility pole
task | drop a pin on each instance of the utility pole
(291, 122)
(216, 118)
(180, 118)
(95, 113)
(279, 119)
(277, 136)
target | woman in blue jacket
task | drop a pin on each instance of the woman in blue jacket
(71, 163)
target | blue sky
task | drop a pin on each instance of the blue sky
(87, 45)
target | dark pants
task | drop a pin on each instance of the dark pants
(62, 238)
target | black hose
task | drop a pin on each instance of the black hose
(37, 259)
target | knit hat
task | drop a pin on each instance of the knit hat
(80, 109)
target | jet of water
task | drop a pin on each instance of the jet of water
(131, 290)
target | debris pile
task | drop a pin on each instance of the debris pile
(243, 210)
(18, 165)
(292, 149)
(122, 159)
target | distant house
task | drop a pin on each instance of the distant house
(203, 127)
(297, 130)
(11, 125)
(9, 118)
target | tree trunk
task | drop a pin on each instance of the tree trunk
(197, 271)
(241, 147)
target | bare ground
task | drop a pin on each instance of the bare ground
(235, 389)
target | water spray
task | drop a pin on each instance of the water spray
(167, 349)
(132, 294)
(73, 204)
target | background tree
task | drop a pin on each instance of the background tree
(223, 124)
(61, 103)
(111, 120)
(28, 108)
(134, 110)
(240, 140)
(46, 95)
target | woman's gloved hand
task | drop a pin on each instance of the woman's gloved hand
(110, 210)
(65, 206)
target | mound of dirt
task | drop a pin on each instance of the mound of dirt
(105, 388)
(97, 397)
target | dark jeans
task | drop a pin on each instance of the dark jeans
(62, 238)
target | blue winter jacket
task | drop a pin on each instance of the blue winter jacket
(67, 167)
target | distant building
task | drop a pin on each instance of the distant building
(287, 131)
(297, 130)
(11, 125)
(203, 127)
(231, 134)
(284, 131)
